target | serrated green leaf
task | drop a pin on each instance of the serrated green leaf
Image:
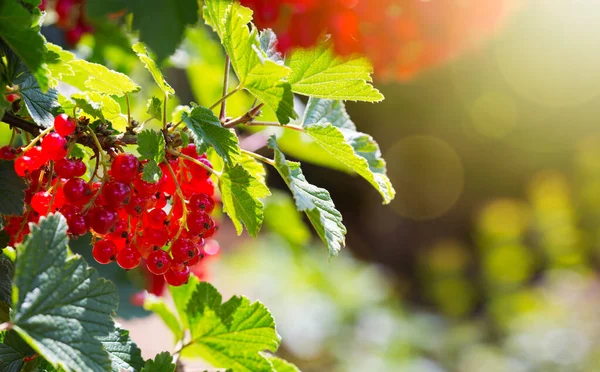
(231, 334)
(12, 351)
(358, 151)
(163, 362)
(185, 139)
(62, 305)
(58, 60)
(152, 172)
(240, 194)
(17, 32)
(181, 296)
(12, 189)
(6, 274)
(282, 218)
(280, 365)
(100, 79)
(125, 355)
(318, 72)
(262, 77)
(142, 53)
(151, 145)
(160, 308)
(154, 108)
(39, 104)
(206, 130)
(314, 201)
(100, 106)
(254, 167)
(268, 44)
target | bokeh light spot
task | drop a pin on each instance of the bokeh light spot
(494, 114)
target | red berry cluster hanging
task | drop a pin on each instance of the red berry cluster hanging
(164, 223)
(400, 37)
(71, 19)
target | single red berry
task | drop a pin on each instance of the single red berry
(104, 251)
(177, 278)
(212, 231)
(7, 153)
(198, 223)
(74, 35)
(158, 262)
(102, 220)
(128, 258)
(183, 250)
(54, 146)
(154, 237)
(23, 165)
(69, 210)
(77, 225)
(197, 257)
(136, 205)
(65, 168)
(116, 194)
(124, 168)
(41, 201)
(155, 218)
(166, 183)
(11, 97)
(80, 167)
(145, 189)
(199, 173)
(202, 202)
(77, 191)
(37, 156)
(64, 125)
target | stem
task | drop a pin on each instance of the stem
(165, 111)
(237, 89)
(172, 129)
(179, 348)
(195, 161)
(39, 137)
(246, 118)
(181, 197)
(98, 145)
(6, 326)
(128, 110)
(225, 88)
(259, 157)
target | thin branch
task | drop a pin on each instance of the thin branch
(237, 89)
(128, 111)
(17, 122)
(246, 118)
(165, 111)
(222, 114)
(195, 161)
(259, 157)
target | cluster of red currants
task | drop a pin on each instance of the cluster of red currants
(71, 18)
(164, 223)
(400, 37)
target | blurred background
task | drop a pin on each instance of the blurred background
(487, 259)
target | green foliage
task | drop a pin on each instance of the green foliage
(98, 78)
(40, 105)
(61, 306)
(318, 72)
(12, 351)
(163, 362)
(160, 308)
(314, 201)
(100, 106)
(152, 172)
(241, 194)
(264, 78)
(151, 66)
(12, 189)
(206, 130)
(154, 108)
(268, 43)
(124, 353)
(151, 145)
(280, 365)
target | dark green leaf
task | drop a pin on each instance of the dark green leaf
(152, 172)
(206, 130)
(154, 108)
(163, 362)
(12, 189)
(240, 194)
(62, 304)
(12, 351)
(314, 201)
(124, 353)
(39, 104)
(151, 145)
(6, 274)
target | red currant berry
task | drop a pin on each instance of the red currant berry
(69, 210)
(64, 168)
(23, 165)
(64, 125)
(183, 250)
(212, 231)
(104, 251)
(54, 146)
(116, 194)
(128, 258)
(11, 97)
(80, 167)
(6, 153)
(196, 259)
(125, 167)
(199, 173)
(155, 218)
(158, 262)
(136, 205)
(41, 201)
(145, 189)
(155, 237)
(198, 223)
(37, 156)
(202, 202)
(102, 220)
(77, 191)
(77, 225)
(177, 278)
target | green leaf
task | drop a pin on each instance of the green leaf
(318, 72)
(6, 274)
(62, 305)
(152, 172)
(125, 355)
(206, 130)
(254, 167)
(154, 108)
(12, 351)
(160, 308)
(280, 365)
(314, 201)
(12, 189)
(17, 32)
(100, 79)
(142, 53)
(240, 194)
(262, 77)
(39, 104)
(163, 362)
(181, 296)
(185, 139)
(100, 106)
(151, 145)
(233, 334)
(268, 44)
(358, 151)
(58, 60)
(282, 218)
